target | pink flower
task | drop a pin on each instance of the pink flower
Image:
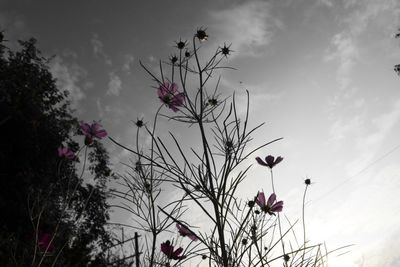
(269, 161)
(44, 242)
(184, 231)
(169, 95)
(65, 152)
(92, 131)
(168, 250)
(271, 206)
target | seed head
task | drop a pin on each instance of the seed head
(397, 69)
(286, 257)
(225, 50)
(251, 203)
(212, 101)
(181, 44)
(173, 59)
(202, 35)
(139, 123)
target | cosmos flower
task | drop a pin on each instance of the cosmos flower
(169, 95)
(168, 250)
(92, 131)
(271, 206)
(65, 152)
(44, 242)
(270, 161)
(184, 231)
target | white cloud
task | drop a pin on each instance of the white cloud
(248, 26)
(345, 45)
(342, 128)
(98, 49)
(68, 76)
(383, 125)
(114, 85)
(325, 2)
(368, 143)
(361, 218)
(348, 48)
(346, 51)
(128, 60)
(152, 58)
(100, 108)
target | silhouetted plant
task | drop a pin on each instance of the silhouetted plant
(239, 233)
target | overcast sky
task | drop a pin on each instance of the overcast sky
(319, 72)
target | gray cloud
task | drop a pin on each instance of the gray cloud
(98, 49)
(345, 44)
(248, 26)
(68, 77)
(14, 28)
(128, 60)
(114, 85)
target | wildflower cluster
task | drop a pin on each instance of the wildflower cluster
(205, 180)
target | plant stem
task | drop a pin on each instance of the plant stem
(279, 219)
(304, 224)
(152, 206)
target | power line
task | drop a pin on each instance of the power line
(354, 175)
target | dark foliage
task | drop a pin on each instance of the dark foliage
(39, 191)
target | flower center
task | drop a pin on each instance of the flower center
(167, 99)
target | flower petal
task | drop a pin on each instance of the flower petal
(193, 237)
(261, 199)
(167, 248)
(60, 151)
(85, 127)
(175, 254)
(184, 231)
(162, 90)
(44, 242)
(176, 101)
(277, 207)
(278, 159)
(261, 162)
(173, 88)
(270, 161)
(271, 199)
(100, 133)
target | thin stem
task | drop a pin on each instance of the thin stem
(152, 206)
(279, 219)
(304, 223)
(208, 164)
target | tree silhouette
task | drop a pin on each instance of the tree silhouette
(41, 192)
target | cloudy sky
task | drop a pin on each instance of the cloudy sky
(319, 72)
